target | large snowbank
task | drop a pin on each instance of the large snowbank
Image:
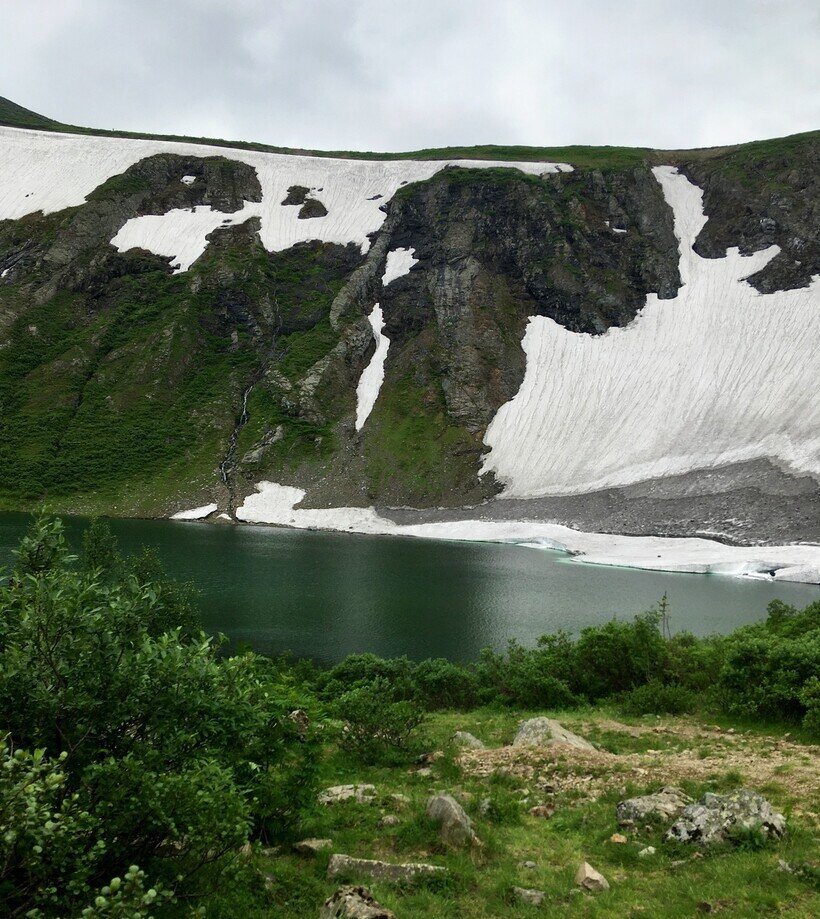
(46, 171)
(719, 375)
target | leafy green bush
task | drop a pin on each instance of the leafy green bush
(771, 668)
(169, 755)
(658, 698)
(375, 728)
(440, 683)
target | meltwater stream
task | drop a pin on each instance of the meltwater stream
(325, 595)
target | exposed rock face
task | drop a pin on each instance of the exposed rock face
(771, 200)
(289, 331)
(715, 818)
(666, 804)
(455, 827)
(542, 732)
(466, 739)
(345, 865)
(354, 903)
(336, 794)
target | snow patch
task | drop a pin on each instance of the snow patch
(188, 180)
(196, 513)
(719, 375)
(180, 234)
(372, 376)
(4, 272)
(399, 262)
(49, 172)
(276, 504)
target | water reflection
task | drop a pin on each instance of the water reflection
(326, 595)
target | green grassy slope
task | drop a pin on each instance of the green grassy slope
(14, 115)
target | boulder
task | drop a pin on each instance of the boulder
(312, 847)
(542, 732)
(388, 820)
(354, 903)
(647, 852)
(455, 827)
(716, 817)
(618, 838)
(666, 804)
(363, 794)
(527, 895)
(379, 871)
(588, 878)
(466, 739)
(542, 810)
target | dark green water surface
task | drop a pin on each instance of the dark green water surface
(325, 595)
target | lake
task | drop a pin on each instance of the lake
(325, 595)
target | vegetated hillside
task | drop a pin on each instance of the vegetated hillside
(137, 381)
(144, 773)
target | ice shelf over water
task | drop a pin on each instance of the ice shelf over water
(196, 513)
(276, 504)
(721, 374)
(45, 171)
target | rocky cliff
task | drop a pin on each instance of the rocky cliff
(181, 322)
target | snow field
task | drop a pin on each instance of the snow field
(719, 375)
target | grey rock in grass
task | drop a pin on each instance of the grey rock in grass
(312, 847)
(336, 794)
(590, 879)
(455, 827)
(528, 895)
(354, 903)
(468, 740)
(542, 732)
(666, 804)
(388, 820)
(380, 871)
(716, 818)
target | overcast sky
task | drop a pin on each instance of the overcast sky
(387, 75)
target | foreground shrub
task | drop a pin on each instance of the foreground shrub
(170, 756)
(376, 728)
(771, 669)
(658, 698)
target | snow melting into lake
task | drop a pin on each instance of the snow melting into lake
(276, 504)
(398, 263)
(196, 513)
(719, 375)
(48, 172)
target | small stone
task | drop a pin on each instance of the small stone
(455, 827)
(590, 879)
(336, 794)
(529, 865)
(468, 740)
(399, 799)
(526, 895)
(666, 804)
(542, 732)
(380, 871)
(783, 865)
(388, 820)
(542, 810)
(354, 903)
(424, 771)
(618, 837)
(645, 853)
(312, 847)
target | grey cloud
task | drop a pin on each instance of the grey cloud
(384, 75)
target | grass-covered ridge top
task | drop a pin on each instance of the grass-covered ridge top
(16, 116)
